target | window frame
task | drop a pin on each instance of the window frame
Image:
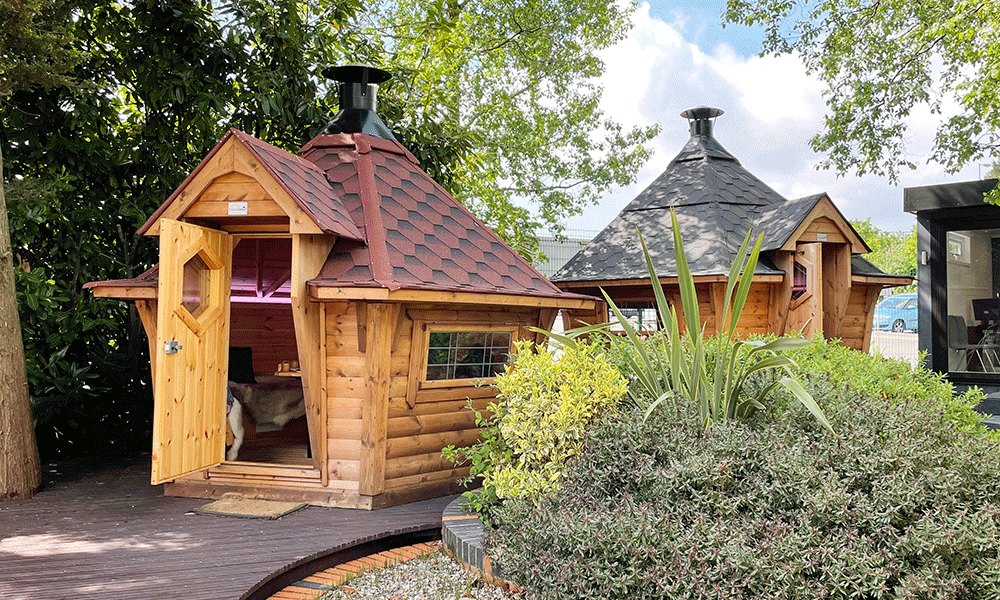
(933, 277)
(429, 328)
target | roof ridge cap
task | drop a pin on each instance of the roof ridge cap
(371, 208)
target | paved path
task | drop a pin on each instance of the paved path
(104, 533)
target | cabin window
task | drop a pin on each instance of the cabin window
(469, 353)
(800, 280)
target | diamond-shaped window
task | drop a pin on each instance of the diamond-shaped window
(197, 280)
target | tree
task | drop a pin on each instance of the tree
(882, 59)
(994, 171)
(517, 83)
(165, 79)
(895, 252)
(34, 52)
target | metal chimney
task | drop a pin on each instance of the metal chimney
(702, 119)
(358, 87)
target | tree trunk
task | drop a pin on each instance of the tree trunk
(20, 473)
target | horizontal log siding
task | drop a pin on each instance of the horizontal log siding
(753, 320)
(440, 415)
(268, 329)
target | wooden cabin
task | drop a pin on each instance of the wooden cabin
(811, 276)
(350, 263)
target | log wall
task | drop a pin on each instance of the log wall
(856, 327)
(345, 385)
(422, 421)
(268, 329)
(753, 319)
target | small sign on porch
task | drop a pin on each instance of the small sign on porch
(238, 209)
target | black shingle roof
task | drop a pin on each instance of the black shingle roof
(717, 201)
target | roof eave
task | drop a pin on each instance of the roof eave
(566, 300)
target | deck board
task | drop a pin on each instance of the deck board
(104, 533)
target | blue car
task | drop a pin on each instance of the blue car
(897, 313)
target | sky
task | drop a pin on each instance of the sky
(678, 56)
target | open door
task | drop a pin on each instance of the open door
(192, 342)
(806, 311)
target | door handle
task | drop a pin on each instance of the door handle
(171, 347)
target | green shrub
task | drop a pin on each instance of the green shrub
(538, 422)
(889, 378)
(678, 363)
(900, 504)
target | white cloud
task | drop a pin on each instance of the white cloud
(772, 109)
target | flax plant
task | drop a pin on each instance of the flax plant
(674, 363)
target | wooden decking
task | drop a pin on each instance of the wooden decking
(105, 533)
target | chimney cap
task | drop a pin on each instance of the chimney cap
(357, 73)
(702, 112)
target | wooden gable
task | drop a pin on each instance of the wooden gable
(825, 223)
(216, 191)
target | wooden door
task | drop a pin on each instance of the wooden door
(806, 310)
(192, 341)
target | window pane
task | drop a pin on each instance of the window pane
(800, 280)
(467, 354)
(973, 265)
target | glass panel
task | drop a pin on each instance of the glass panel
(973, 264)
(467, 354)
(196, 284)
(799, 280)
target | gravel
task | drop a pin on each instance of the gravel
(432, 577)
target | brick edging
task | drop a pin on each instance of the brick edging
(316, 584)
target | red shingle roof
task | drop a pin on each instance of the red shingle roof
(396, 227)
(306, 184)
(303, 182)
(418, 236)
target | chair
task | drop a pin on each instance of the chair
(958, 341)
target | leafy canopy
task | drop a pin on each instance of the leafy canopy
(894, 252)
(883, 59)
(517, 84)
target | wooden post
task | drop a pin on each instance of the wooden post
(380, 330)
(871, 299)
(147, 314)
(309, 252)
(781, 293)
(546, 318)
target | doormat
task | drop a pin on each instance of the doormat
(232, 505)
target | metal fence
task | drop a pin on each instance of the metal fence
(895, 345)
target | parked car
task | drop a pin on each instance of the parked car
(897, 313)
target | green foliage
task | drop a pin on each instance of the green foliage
(901, 504)
(155, 85)
(891, 379)
(517, 83)
(880, 61)
(676, 364)
(895, 252)
(36, 45)
(538, 422)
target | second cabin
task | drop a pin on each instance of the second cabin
(343, 281)
(811, 276)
